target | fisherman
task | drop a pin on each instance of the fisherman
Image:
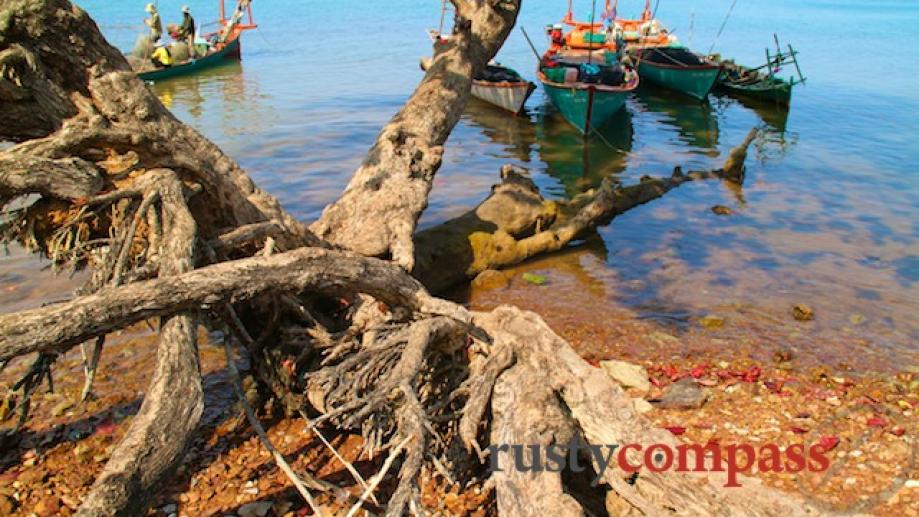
(557, 37)
(161, 57)
(155, 24)
(187, 31)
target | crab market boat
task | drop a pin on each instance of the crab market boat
(222, 44)
(661, 59)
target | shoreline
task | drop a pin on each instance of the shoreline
(65, 444)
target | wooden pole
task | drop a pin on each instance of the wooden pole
(532, 46)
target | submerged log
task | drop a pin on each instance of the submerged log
(516, 223)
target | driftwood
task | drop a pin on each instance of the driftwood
(334, 322)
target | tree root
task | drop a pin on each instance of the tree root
(156, 440)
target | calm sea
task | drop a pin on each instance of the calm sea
(828, 215)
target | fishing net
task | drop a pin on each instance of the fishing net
(179, 52)
(499, 74)
(143, 49)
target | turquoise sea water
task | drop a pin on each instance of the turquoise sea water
(828, 214)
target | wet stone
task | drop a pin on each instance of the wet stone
(683, 394)
(490, 279)
(802, 312)
(628, 375)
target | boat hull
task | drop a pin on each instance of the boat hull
(585, 106)
(694, 81)
(779, 92)
(507, 96)
(230, 51)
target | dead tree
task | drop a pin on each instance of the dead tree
(335, 326)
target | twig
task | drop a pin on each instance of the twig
(260, 431)
(354, 473)
(89, 367)
(375, 480)
(126, 245)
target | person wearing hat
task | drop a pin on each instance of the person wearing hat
(155, 24)
(187, 30)
(161, 57)
(557, 37)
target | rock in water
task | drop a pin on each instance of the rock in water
(683, 394)
(802, 312)
(722, 210)
(490, 279)
(628, 375)
(711, 321)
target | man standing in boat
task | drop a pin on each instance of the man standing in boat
(155, 24)
(187, 30)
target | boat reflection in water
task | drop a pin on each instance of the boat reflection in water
(774, 140)
(696, 122)
(517, 134)
(582, 163)
(221, 96)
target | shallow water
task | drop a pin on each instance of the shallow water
(828, 214)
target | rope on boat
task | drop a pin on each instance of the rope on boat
(725, 22)
(675, 60)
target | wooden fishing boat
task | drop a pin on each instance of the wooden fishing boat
(225, 45)
(231, 50)
(581, 73)
(508, 95)
(587, 105)
(761, 82)
(678, 69)
(499, 86)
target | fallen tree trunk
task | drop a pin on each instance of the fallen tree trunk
(59, 326)
(603, 415)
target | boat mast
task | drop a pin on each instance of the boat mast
(443, 16)
(590, 42)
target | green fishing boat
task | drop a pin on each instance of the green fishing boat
(230, 51)
(762, 83)
(678, 69)
(587, 105)
(771, 89)
(214, 48)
